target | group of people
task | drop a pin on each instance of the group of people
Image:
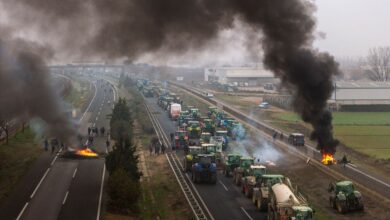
(156, 147)
(95, 131)
(275, 135)
(53, 144)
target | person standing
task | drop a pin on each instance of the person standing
(157, 149)
(46, 144)
(89, 131)
(163, 148)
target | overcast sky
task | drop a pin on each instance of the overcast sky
(353, 26)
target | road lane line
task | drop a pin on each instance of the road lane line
(74, 173)
(54, 160)
(99, 113)
(66, 196)
(97, 118)
(246, 213)
(101, 193)
(40, 182)
(89, 106)
(21, 212)
(223, 185)
(367, 175)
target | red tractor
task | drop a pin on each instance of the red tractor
(181, 139)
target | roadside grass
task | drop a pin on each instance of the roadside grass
(79, 93)
(237, 102)
(15, 159)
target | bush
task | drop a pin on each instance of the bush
(124, 192)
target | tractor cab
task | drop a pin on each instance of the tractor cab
(209, 148)
(212, 110)
(344, 197)
(246, 162)
(194, 112)
(181, 139)
(208, 125)
(193, 127)
(224, 136)
(205, 138)
(301, 213)
(257, 170)
(345, 187)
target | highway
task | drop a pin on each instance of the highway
(224, 200)
(378, 186)
(72, 188)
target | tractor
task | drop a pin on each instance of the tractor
(191, 157)
(242, 169)
(218, 118)
(263, 186)
(205, 138)
(181, 139)
(193, 128)
(211, 111)
(238, 131)
(167, 102)
(194, 112)
(205, 169)
(208, 126)
(229, 124)
(182, 116)
(249, 181)
(148, 92)
(344, 197)
(223, 137)
(231, 162)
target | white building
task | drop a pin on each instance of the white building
(239, 76)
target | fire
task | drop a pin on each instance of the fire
(328, 159)
(86, 153)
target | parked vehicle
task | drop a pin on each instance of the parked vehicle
(205, 169)
(344, 197)
(296, 139)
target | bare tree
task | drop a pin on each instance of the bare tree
(4, 127)
(378, 64)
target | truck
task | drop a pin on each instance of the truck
(191, 157)
(284, 204)
(205, 169)
(261, 191)
(296, 139)
(231, 162)
(249, 181)
(344, 197)
(242, 169)
(175, 110)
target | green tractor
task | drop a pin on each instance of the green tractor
(344, 197)
(148, 92)
(208, 126)
(218, 118)
(212, 110)
(242, 170)
(194, 112)
(249, 181)
(229, 125)
(182, 116)
(193, 129)
(191, 157)
(205, 138)
(231, 162)
(262, 187)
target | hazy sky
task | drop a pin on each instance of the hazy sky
(353, 26)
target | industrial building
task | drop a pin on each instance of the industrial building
(240, 76)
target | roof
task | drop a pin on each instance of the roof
(297, 134)
(194, 147)
(246, 158)
(207, 144)
(248, 73)
(258, 167)
(221, 131)
(344, 183)
(283, 193)
(273, 176)
(302, 208)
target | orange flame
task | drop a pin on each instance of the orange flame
(86, 153)
(328, 159)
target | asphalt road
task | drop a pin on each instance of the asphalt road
(224, 199)
(72, 188)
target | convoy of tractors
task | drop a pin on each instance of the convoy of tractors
(206, 143)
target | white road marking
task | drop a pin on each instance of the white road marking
(89, 106)
(54, 160)
(246, 213)
(74, 173)
(21, 212)
(101, 193)
(40, 182)
(369, 176)
(93, 125)
(96, 118)
(99, 113)
(66, 196)
(223, 185)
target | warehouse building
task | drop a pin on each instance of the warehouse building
(240, 76)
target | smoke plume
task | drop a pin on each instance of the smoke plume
(25, 91)
(131, 28)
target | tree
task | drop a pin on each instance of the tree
(4, 127)
(378, 64)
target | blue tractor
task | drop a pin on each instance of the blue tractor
(205, 169)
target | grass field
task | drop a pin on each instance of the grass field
(79, 93)
(15, 159)
(366, 132)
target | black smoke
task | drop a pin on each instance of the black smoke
(25, 91)
(131, 28)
